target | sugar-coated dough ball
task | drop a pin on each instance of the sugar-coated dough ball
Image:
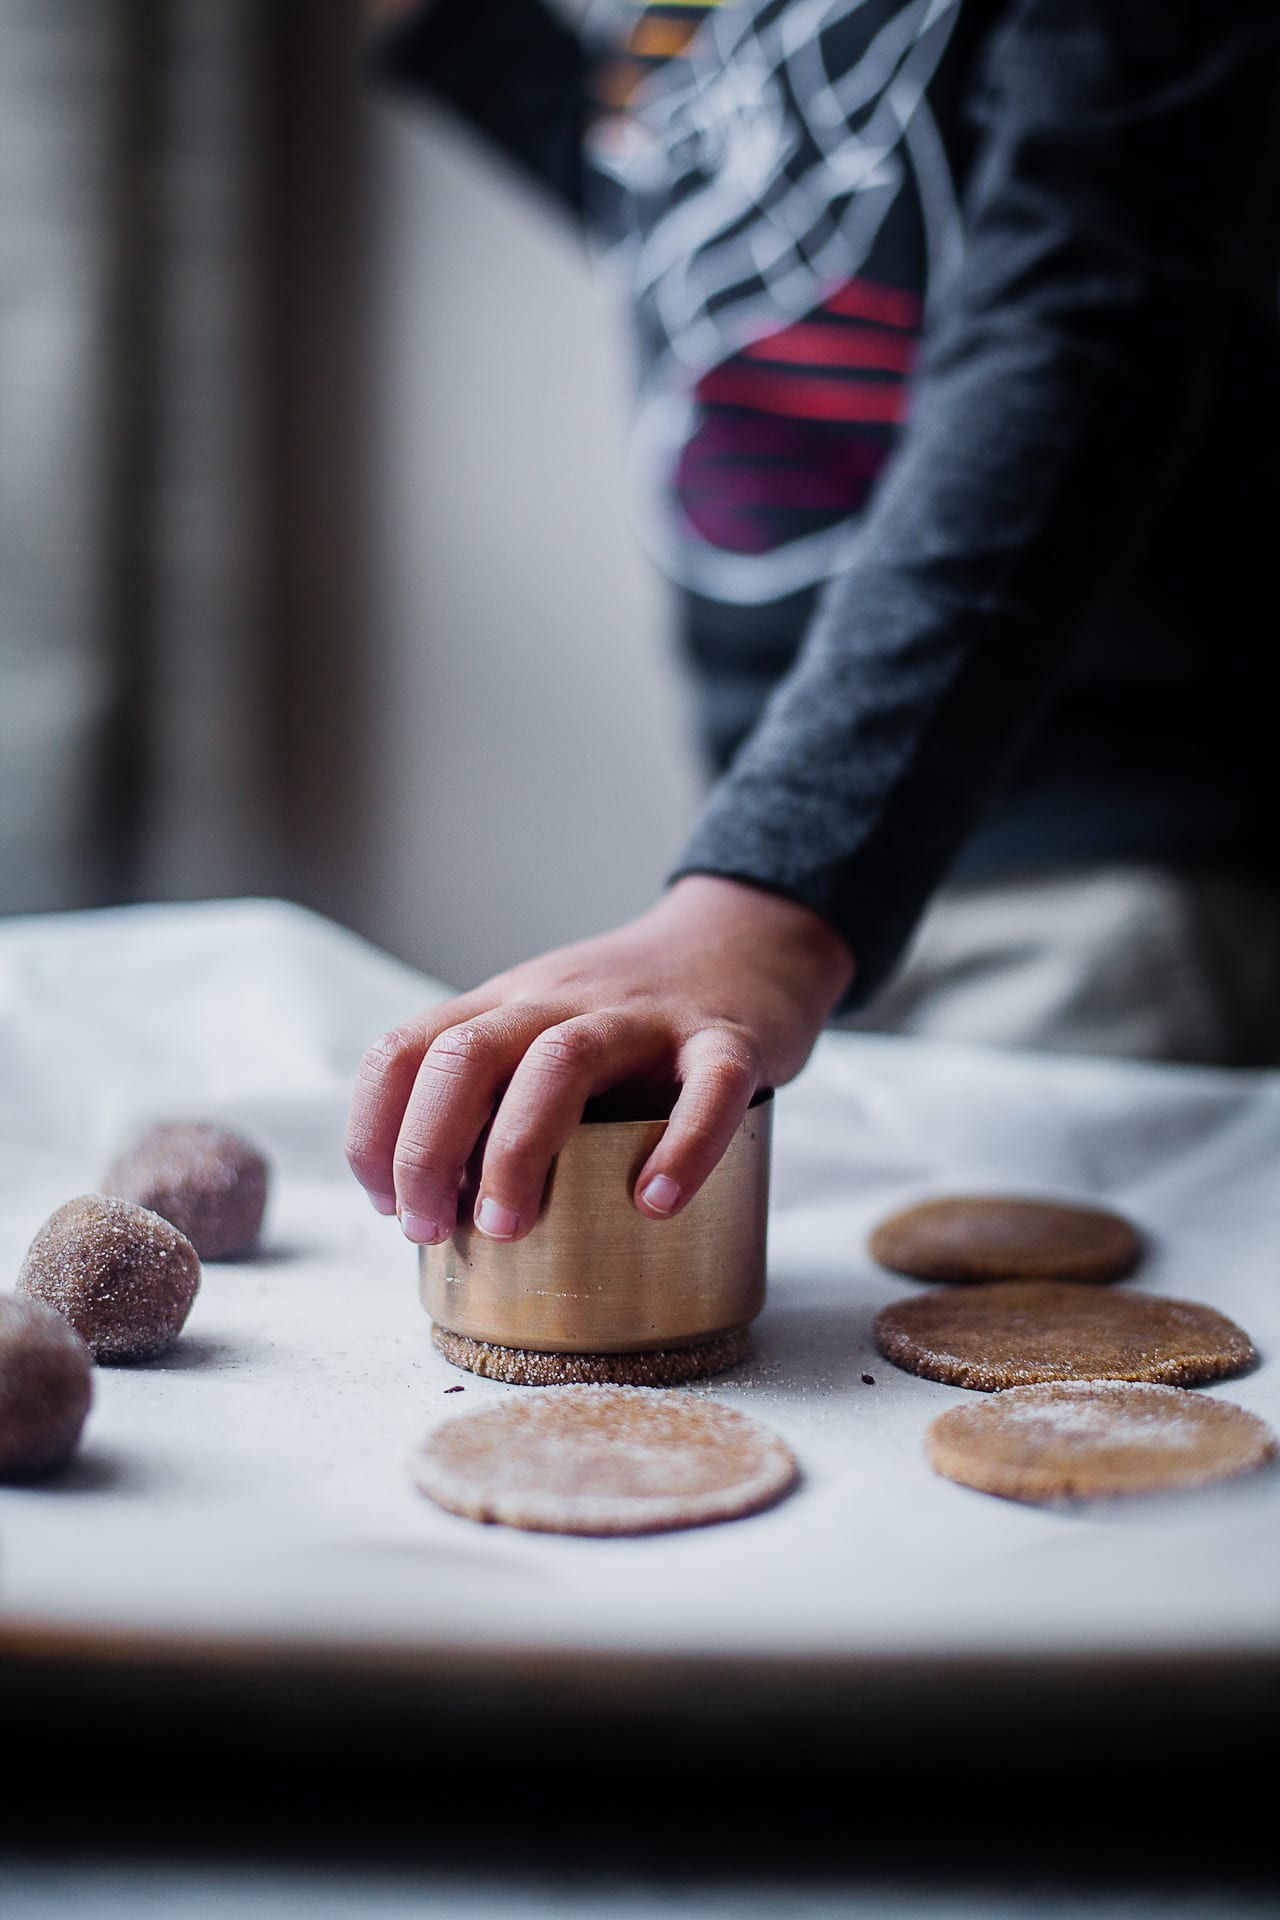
(123, 1277)
(45, 1387)
(207, 1181)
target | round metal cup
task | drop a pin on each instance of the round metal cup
(594, 1275)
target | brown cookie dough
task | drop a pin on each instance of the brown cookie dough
(123, 1277)
(45, 1388)
(521, 1367)
(604, 1460)
(1095, 1439)
(209, 1183)
(993, 1237)
(1013, 1333)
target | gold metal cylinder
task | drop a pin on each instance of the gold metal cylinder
(595, 1275)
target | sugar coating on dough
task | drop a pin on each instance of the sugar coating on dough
(604, 1460)
(1013, 1333)
(208, 1182)
(120, 1275)
(1006, 1237)
(523, 1367)
(46, 1385)
(1095, 1439)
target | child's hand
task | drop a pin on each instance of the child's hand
(719, 989)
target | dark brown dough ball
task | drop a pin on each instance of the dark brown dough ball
(45, 1388)
(208, 1182)
(123, 1277)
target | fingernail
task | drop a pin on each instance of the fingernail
(662, 1194)
(383, 1202)
(495, 1221)
(420, 1230)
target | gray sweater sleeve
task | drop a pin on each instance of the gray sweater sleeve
(1127, 158)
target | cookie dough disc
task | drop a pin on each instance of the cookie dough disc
(1013, 1333)
(210, 1183)
(521, 1367)
(1095, 1439)
(123, 1277)
(604, 1460)
(990, 1237)
(45, 1388)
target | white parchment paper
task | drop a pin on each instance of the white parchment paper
(252, 1483)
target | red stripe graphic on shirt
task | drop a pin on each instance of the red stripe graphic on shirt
(864, 300)
(770, 438)
(792, 434)
(810, 345)
(784, 488)
(744, 386)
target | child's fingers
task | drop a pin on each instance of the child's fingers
(459, 1081)
(384, 1083)
(564, 1066)
(719, 1073)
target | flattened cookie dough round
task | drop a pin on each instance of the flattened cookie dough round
(1014, 1333)
(994, 1237)
(522, 1367)
(1095, 1439)
(604, 1460)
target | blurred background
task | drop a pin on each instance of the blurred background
(317, 572)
